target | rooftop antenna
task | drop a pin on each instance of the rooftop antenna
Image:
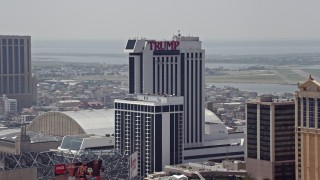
(179, 33)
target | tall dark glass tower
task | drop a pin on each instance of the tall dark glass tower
(15, 69)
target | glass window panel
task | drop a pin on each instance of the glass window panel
(311, 113)
(304, 112)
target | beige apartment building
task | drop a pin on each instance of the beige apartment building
(307, 130)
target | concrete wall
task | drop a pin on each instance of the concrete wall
(19, 174)
(259, 169)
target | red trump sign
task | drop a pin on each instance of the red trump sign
(163, 45)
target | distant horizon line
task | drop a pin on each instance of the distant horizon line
(201, 39)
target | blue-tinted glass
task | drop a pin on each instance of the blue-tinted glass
(4, 60)
(9, 41)
(318, 102)
(21, 41)
(16, 84)
(181, 107)
(16, 42)
(304, 112)
(28, 85)
(130, 44)
(71, 143)
(22, 84)
(10, 60)
(311, 113)
(10, 85)
(4, 42)
(28, 59)
(5, 85)
(158, 108)
(200, 93)
(16, 59)
(0, 64)
(165, 108)
(299, 111)
(21, 59)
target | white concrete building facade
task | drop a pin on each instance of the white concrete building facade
(152, 126)
(172, 67)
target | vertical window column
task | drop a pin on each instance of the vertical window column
(318, 111)
(299, 111)
(162, 76)
(167, 84)
(304, 112)
(158, 74)
(171, 76)
(10, 59)
(131, 75)
(154, 74)
(311, 113)
(4, 60)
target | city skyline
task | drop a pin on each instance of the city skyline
(247, 19)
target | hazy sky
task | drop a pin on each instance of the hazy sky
(119, 19)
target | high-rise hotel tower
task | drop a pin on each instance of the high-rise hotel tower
(15, 69)
(270, 138)
(307, 134)
(172, 67)
(152, 127)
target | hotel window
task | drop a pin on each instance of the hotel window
(4, 59)
(311, 113)
(318, 101)
(165, 108)
(158, 109)
(304, 112)
(4, 42)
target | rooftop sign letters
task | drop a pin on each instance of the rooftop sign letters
(163, 45)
